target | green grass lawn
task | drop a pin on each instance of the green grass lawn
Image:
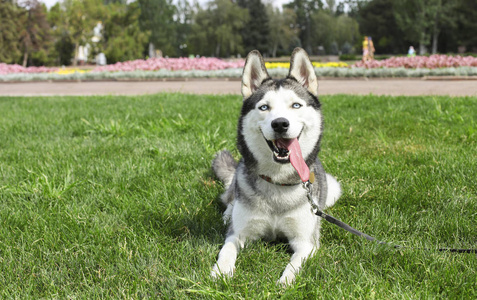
(113, 197)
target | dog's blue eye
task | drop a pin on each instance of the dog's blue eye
(263, 107)
(296, 105)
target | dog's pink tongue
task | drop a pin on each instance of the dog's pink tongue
(296, 158)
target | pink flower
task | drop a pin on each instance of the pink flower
(173, 64)
(431, 62)
(7, 69)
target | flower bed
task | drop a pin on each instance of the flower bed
(67, 71)
(273, 65)
(417, 62)
(237, 73)
(163, 68)
(172, 64)
(395, 72)
(9, 69)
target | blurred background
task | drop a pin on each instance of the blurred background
(96, 32)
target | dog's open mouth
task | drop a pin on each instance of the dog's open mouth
(289, 151)
(280, 150)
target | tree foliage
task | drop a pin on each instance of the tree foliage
(422, 20)
(31, 35)
(283, 30)
(376, 19)
(304, 9)
(336, 34)
(10, 46)
(80, 19)
(122, 39)
(184, 16)
(431, 25)
(256, 32)
(216, 30)
(463, 34)
(157, 17)
(35, 33)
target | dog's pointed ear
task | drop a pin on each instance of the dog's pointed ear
(254, 73)
(303, 71)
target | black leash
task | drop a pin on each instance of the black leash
(354, 231)
(343, 225)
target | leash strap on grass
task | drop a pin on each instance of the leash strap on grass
(370, 238)
(343, 225)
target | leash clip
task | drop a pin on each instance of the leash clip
(307, 185)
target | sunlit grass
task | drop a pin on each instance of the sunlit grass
(113, 197)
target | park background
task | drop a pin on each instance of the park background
(33, 34)
(108, 192)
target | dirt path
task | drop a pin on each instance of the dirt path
(392, 87)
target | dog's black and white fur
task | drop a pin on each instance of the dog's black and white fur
(260, 208)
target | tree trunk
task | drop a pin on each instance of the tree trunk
(274, 50)
(75, 59)
(434, 42)
(422, 48)
(435, 34)
(25, 58)
(217, 50)
(422, 44)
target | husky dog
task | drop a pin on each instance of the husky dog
(279, 134)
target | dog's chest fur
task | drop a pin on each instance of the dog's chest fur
(267, 197)
(256, 224)
(273, 212)
(269, 210)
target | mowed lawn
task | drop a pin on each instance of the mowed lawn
(113, 197)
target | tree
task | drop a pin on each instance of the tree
(183, 15)
(377, 19)
(347, 33)
(304, 9)
(283, 29)
(337, 34)
(466, 25)
(216, 30)
(256, 31)
(35, 32)
(74, 22)
(442, 15)
(122, 37)
(63, 49)
(157, 17)
(325, 31)
(79, 19)
(423, 20)
(9, 27)
(201, 32)
(228, 19)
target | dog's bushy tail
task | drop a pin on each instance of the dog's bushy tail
(224, 166)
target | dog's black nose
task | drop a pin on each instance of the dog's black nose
(280, 125)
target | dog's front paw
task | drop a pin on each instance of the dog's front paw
(221, 271)
(286, 279)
